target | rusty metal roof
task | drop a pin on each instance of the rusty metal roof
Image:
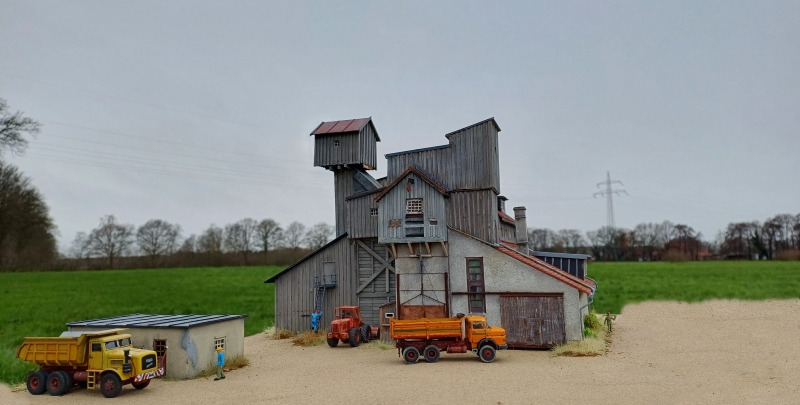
(341, 127)
(156, 321)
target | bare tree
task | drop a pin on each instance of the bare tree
(570, 240)
(110, 239)
(240, 237)
(541, 239)
(293, 236)
(157, 237)
(12, 127)
(189, 244)
(318, 235)
(269, 235)
(210, 241)
(80, 246)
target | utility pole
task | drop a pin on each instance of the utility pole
(608, 193)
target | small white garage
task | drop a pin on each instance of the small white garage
(189, 340)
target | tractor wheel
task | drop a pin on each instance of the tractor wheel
(110, 385)
(57, 383)
(36, 383)
(366, 333)
(354, 337)
(431, 353)
(411, 354)
(142, 385)
(332, 342)
(487, 353)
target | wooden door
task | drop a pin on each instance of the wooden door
(533, 321)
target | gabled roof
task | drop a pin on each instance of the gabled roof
(308, 256)
(344, 126)
(422, 173)
(587, 286)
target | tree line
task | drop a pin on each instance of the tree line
(159, 243)
(777, 238)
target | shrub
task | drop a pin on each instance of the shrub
(590, 321)
(309, 338)
(589, 333)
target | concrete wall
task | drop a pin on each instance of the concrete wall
(189, 351)
(503, 274)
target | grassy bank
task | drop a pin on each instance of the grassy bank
(40, 304)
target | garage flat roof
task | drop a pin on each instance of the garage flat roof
(156, 321)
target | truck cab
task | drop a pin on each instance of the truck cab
(116, 353)
(478, 332)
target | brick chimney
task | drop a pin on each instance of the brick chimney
(522, 229)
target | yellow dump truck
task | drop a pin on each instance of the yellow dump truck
(104, 360)
(460, 334)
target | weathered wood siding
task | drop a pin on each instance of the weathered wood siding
(392, 222)
(436, 161)
(474, 213)
(343, 188)
(508, 232)
(475, 159)
(361, 224)
(354, 148)
(294, 295)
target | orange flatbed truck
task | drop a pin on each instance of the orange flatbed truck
(430, 337)
(104, 360)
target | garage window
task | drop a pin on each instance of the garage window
(475, 285)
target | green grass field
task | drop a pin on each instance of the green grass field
(620, 283)
(40, 304)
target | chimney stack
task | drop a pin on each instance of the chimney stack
(522, 229)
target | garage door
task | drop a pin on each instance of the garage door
(532, 321)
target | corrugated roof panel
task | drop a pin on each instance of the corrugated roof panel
(340, 127)
(156, 321)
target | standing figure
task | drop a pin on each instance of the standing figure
(609, 319)
(315, 320)
(220, 363)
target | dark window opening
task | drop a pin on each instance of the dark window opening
(475, 285)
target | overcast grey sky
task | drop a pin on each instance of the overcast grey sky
(199, 112)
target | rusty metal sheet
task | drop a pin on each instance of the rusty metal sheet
(339, 127)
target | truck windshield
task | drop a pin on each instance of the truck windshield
(124, 342)
(110, 345)
(477, 325)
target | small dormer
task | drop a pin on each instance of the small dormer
(347, 143)
(412, 209)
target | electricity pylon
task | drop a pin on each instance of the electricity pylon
(608, 193)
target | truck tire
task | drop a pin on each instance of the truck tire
(332, 342)
(411, 355)
(57, 383)
(354, 337)
(110, 385)
(431, 353)
(487, 353)
(366, 333)
(141, 385)
(36, 383)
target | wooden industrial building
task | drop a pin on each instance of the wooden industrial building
(432, 239)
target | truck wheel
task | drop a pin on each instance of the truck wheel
(37, 382)
(487, 353)
(354, 337)
(142, 385)
(431, 353)
(57, 383)
(366, 333)
(110, 385)
(332, 342)
(411, 354)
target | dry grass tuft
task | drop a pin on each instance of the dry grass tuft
(278, 334)
(310, 338)
(232, 363)
(588, 347)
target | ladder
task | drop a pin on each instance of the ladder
(321, 285)
(91, 380)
